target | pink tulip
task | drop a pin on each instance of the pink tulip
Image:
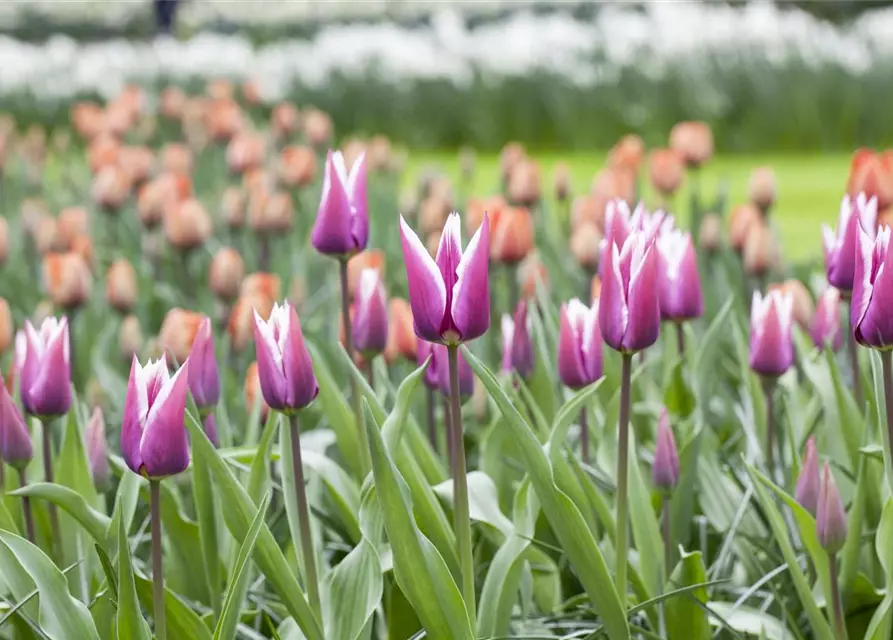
(842, 248)
(426, 349)
(824, 329)
(517, 348)
(871, 316)
(665, 470)
(97, 449)
(771, 338)
(46, 368)
(16, 448)
(807, 490)
(342, 221)
(370, 325)
(204, 374)
(679, 281)
(579, 344)
(830, 518)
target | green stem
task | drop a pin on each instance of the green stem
(462, 520)
(157, 561)
(680, 338)
(622, 523)
(839, 620)
(365, 458)
(853, 351)
(26, 508)
(311, 582)
(887, 361)
(47, 437)
(584, 437)
(768, 391)
(432, 425)
(668, 542)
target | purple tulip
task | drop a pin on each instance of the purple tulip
(204, 374)
(153, 432)
(46, 369)
(210, 427)
(466, 375)
(830, 518)
(665, 470)
(825, 325)
(16, 449)
(579, 344)
(283, 363)
(619, 222)
(679, 280)
(342, 221)
(370, 325)
(97, 449)
(771, 340)
(629, 309)
(517, 348)
(450, 295)
(424, 350)
(841, 249)
(871, 315)
(807, 490)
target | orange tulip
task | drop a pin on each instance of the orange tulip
(130, 338)
(742, 218)
(172, 103)
(585, 245)
(241, 319)
(158, 195)
(760, 250)
(232, 206)
(251, 92)
(72, 222)
(511, 235)
(187, 224)
(121, 285)
(317, 127)
(509, 157)
(693, 141)
(433, 213)
(83, 246)
(88, 119)
(588, 210)
(176, 158)
(67, 279)
(284, 120)
(111, 188)
(274, 216)
(7, 328)
(524, 183)
(614, 183)
(178, 332)
(667, 170)
(531, 274)
(226, 273)
(224, 120)
(627, 155)
(46, 235)
(219, 89)
(402, 340)
(137, 161)
(368, 259)
(103, 152)
(352, 149)
(263, 284)
(761, 189)
(253, 394)
(804, 306)
(297, 166)
(871, 173)
(245, 151)
(477, 207)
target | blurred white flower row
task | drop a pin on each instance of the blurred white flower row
(661, 38)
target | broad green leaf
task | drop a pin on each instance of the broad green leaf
(420, 570)
(238, 580)
(682, 502)
(206, 514)
(704, 366)
(182, 621)
(568, 413)
(678, 397)
(342, 488)
(645, 527)
(881, 625)
(125, 503)
(129, 619)
(751, 621)
(259, 475)
(850, 421)
(483, 502)
(852, 548)
(686, 619)
(238, 515)
(565, 518)
(354, 591)
(94, 522)
(61, 616)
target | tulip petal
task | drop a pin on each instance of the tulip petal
(643, 301)
(508, 330)
(332, 233)
(592, 344)
(269, 364)
(612, 309)
(571, 367)
(164, 447)
(359, 201)
(370, 327)
(875, 329)
(861, 282)
(204, 374)
(771, 342)
(300, 386)
(50, 388)
(427, 292)
(131, 426)
(470, 305)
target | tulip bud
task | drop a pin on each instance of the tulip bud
(588, 210)
(46, 369)
(679, 282)
(4, 240)
(842, 247)
(612, 183)
(46, 235)
(871, 173)
(226, 273)
(511, 235)
(121, 285)
(342, 220)
(204, 374)
(297, 166)
(742, 218)
(629, 311)
(369, 259)
(511, 154)
(251, 93)
(803, 304)
(171, 103)
(103, 152)
(761, 190)
(16, 448)
(225, 120)
(665, 470)
(232, 207)
(667, 171)
(245, 151)
(693, 141)
(137, 162)
(284, 366)
(83, 246)
(532, 274)
(710, 233)
(252, 391)
(627, 154)
(317, 127)
(579, 344)
(153, 431)
(426, 350)
(402, 340)
(97, 450)
(830, 517)
(771, 341)
(111, 188)
(178, 332)
(176, 158)
(7, 328)
(130, 337)
(67, 279)
(759, 249)
(274, 216)
(284, 120)
(517, 347)
(807, 489)
(240, 326)
(825, 326)
(466, 375)
(259, 283)
(585, 246)
(524, 183)
(370, 325)
(872, 301)
(72, 222)
(187, 225)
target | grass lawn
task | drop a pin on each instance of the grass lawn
(809, 186)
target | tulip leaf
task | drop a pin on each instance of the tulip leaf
(569, 412)
(566, 520)
(704, 366)
(238, 580)
(259, 475)
(182, 621)
(354, 590)
(849, 414)
(682, 502)
(644, 525)
(779, 532)
(238, 515)
(125, 505)
(420, 570)
(483, 502)
(95, 523)
(678, 397)
(686, 616)
(881, 625)
(342, 489)
(881, 414)
(750, 621)
(129, 619)
(61, 616)
(206, 514)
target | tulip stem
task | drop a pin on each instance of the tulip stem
(584, 437)
(311, 582)
(47, 439)
(680, 339)
(157, 560)
(432, 426)
(26, 508)
(668, 543)
(448, 434)
(839, 621)
(365, 458)
(370, 375)
(622, 524)
(768, 392)
(887, 362)
(854, 363)
(461, 518)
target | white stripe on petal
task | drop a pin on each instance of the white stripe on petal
(161, 400)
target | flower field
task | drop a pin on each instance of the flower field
(264, 380)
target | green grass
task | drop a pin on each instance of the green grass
(809, 187)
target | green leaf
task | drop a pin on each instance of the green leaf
(342, 489)
(182, 622)
(645, 528)
(682, 502)
(238, 580)
(354, 590)
(125, 504)
(483, 502)
(704, 366)
(881, 414)
(420, 570)
(881, 625)
(61, 616)
(259, 475)
(568, 413)
(94, 522)
(206, 513)
(678, 397)
(129, 620)
(849, 564)
(750, 621)
(849, 416)
(238, 515)
(567, 522)
(686, 619)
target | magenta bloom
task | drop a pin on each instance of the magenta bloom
(807, 490)
(825, 328)
(517, 348)
(97, 449)
(679, 280)
(153, 433)
(620, 222)
(370, 324)
(771, 340)
(424, 350)
(16, 449)
(629, 309)
(579, 345)
(204, 374)
(665, 470)
(830, 518)
(450, 295)
(842, 248)
(46, 369)
(872, 305)
(342, 220)
(283, 363)
(466, 375)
